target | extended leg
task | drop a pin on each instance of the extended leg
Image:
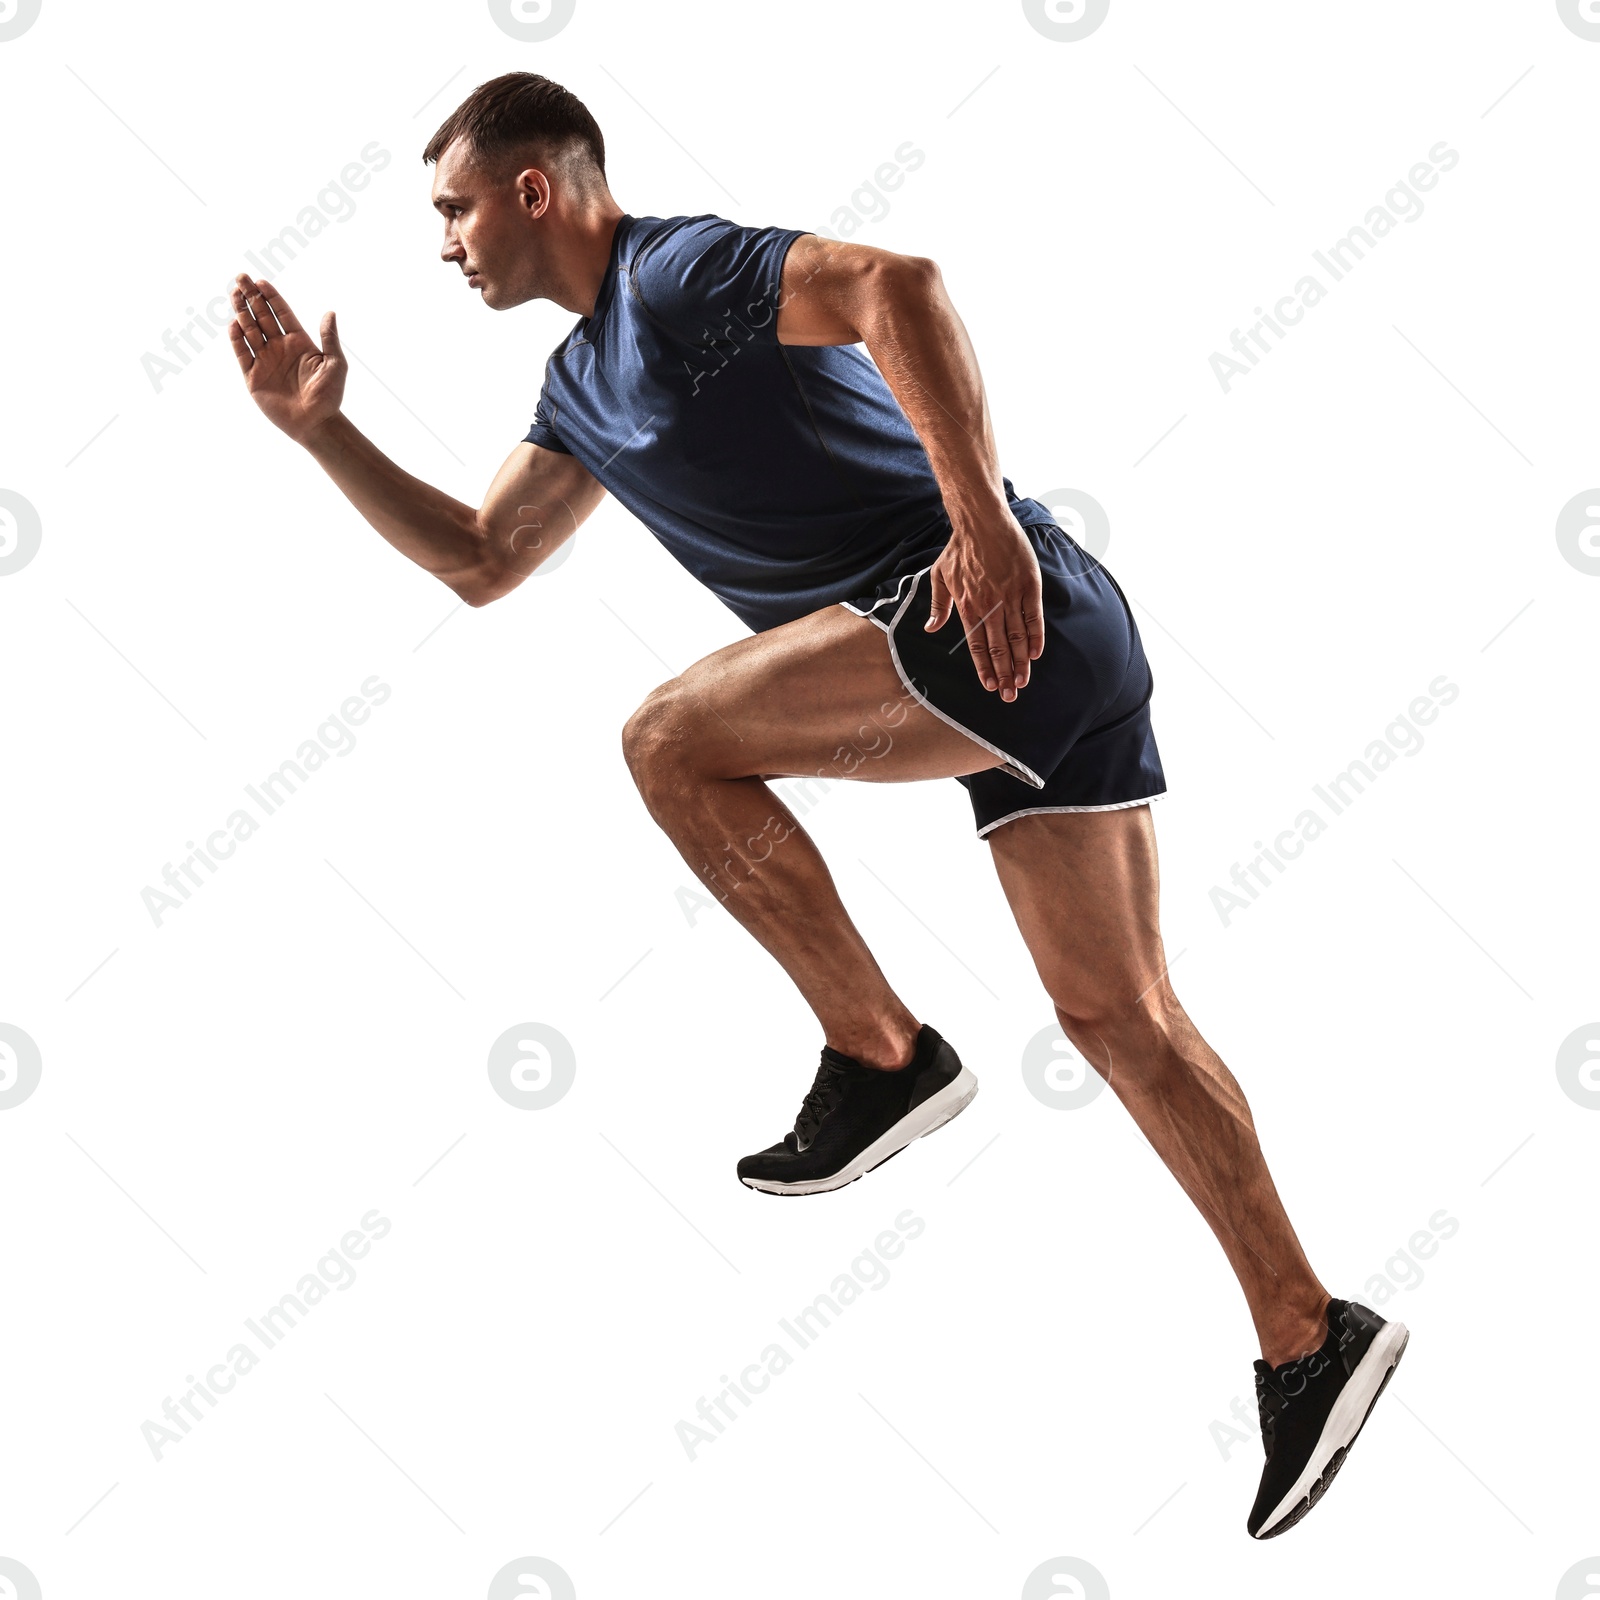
(1084, 889)
(815, 698)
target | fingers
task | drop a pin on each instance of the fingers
(287, 320)
(1022, 653)
(331, 347)
(254, 314)
(240, 348)
(244, 318)
(986, 638)
(939, 601)
(1033, 625)
(1021, 644)
(1025, 636)
(977, 636)
(261, 311)
(997, 644)
(1005, 642)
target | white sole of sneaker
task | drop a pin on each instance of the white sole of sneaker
(933, 1113)
(1345, 1421)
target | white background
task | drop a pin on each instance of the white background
(224, 1096)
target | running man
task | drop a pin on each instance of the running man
(801, 422)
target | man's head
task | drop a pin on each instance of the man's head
(521, 169)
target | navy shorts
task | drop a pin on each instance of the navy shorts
(1078, 737)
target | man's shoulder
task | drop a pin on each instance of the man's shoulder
(649, 236)
(681, 271)
(689, 235)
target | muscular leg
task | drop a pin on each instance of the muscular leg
(1084, 889)
(818, 697)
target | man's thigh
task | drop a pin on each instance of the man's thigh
(1085, 890)
(817, 696)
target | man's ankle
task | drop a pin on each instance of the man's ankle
(1293, 1337)
(888, 1048)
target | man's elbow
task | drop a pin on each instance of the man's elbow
(911, 284)
(485, 574)
(479, 585)
(920, 273)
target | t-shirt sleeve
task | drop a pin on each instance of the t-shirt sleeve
(543, 431)
(712, 280)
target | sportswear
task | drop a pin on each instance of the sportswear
(1078, 735)
(787, 477)
(1312, 1409)
(854, 1118)
(783, 477)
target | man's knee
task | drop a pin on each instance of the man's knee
(1132, 1037)
(1083, 1025)
(656, 739)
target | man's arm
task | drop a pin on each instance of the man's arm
(834, 293)
(535, 504)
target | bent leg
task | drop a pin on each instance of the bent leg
(1084, 888)
(818, 697)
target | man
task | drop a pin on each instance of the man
(912, 618)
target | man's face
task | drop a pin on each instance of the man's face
(491, 226)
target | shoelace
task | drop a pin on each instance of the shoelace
(1269, 1402)
(822, 1097)
(1275, 1387)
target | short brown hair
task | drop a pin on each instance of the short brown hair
(506, 115)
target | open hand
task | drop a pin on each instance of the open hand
(992, 580)
(298, 386)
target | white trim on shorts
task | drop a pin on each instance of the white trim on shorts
(1017, 769)
(872, 613)
(1039, 811)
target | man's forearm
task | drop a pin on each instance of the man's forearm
(922, 349)
(439, 533)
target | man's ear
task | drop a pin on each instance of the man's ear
(533, 191)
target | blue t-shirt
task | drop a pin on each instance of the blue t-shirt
(784, 477)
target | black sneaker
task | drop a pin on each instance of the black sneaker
(856, 1117)
(1313, 1408)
